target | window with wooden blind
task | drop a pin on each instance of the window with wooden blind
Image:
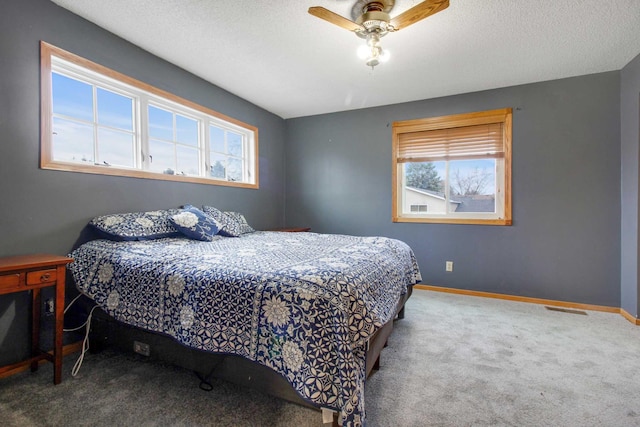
(459, 166)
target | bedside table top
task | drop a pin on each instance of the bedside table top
(31, 261)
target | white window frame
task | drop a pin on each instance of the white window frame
(502, 215)
(174, 108)
(54, 59)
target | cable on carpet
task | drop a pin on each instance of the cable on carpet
(85, 341)
(205, 383)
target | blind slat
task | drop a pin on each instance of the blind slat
(475, 141)
(441, 158)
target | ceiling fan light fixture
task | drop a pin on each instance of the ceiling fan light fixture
(372, 52)
(371, 21)
(377, 58)
(364, 52)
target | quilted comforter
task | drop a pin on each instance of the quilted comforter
(302, 304)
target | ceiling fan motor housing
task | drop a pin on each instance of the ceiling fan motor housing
(374, 21)
(364, 6)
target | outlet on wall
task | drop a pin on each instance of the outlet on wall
(141, 348)
(448, 266)
(49, 306)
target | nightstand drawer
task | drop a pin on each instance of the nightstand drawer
(10, 281)
(41, 276)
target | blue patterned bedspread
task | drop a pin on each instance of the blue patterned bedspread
(302, 304)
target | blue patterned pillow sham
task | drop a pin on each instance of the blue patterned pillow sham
(195, 224)
(231, 227)
(244, 225)
(137, 225)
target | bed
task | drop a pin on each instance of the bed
(306, 306)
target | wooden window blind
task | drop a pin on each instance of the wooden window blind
(458, 143)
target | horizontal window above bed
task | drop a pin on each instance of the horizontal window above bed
(96, 120)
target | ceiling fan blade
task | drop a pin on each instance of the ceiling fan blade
(334, 18)
(419, 12)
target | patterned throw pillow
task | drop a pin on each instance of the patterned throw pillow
(137, 225)
(195, 224)
(231, 227)
(244, 225)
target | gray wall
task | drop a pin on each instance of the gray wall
(45, 211)
(566, 149)
(565, 240)
(630, 140)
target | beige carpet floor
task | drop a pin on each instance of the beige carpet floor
(453, 361)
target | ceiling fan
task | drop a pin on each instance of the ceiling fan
(371, 21)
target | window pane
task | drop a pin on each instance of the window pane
(115, 110)
(160, 123)
(425, 176)
(218, 166)
(103, 122)
(234, 144)
(162, 157)
(424, 187)
(216, 136)
(187, 130)
(115, 148)
(72, 98)
(234, 170)
(72, 141)
(188, 163)
(472, 185)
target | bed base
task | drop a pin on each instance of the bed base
(108, 332)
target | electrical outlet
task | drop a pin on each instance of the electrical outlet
(449, 266)
(49, 306)
(141, 348)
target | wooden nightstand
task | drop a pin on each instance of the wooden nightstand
(32, 273)
(293, 229)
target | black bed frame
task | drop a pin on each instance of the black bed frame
(108, 332)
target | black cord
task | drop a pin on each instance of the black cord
(205, 384)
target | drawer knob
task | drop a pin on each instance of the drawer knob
(45, 277)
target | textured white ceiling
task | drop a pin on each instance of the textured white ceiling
(276, 55)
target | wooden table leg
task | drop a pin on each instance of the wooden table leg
(35, 327)
(58, 332)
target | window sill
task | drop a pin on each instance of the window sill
(132, 173)
(467, 221)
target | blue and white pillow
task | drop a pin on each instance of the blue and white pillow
(244, 225)
(231, 227)
(137, 225)
(195, 224)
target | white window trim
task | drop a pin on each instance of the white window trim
(56, 59)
